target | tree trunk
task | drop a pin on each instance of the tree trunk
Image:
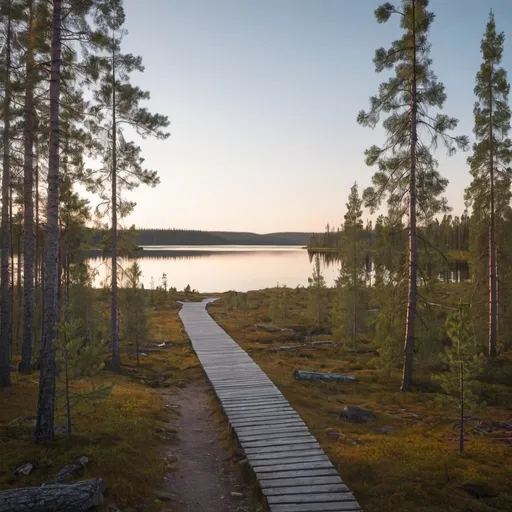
(413, 250)
(77, 497)
(461, 436)
(354, 277)
(67, 320)
(18, 285)
(46, 405)
(116, 359)
(493, 274)
(5, 315)
(29, 240)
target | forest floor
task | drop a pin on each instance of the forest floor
(160, 433)
(158, 440)
(408, 458)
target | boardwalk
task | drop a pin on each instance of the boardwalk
(292, 470)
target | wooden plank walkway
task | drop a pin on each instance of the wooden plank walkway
(292, 470)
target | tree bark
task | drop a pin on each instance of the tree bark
(116, 359)
(5, 315)
(493, 274)
(46, 404)
(28, 204)
(413, 249)
(77, 497)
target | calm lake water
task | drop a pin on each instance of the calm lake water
(222, 268)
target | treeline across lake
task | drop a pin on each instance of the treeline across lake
(445, 242)
(197, 237)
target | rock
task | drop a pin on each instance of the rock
(357, 415)
(477, 491)
(333, 434)
(25, 469)
(384, 430)
(164, 495)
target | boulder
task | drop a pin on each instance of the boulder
(357, 415)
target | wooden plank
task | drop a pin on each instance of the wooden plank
(287, 454)
(280, 441)
(311, 498)
(306, 481)
(268, 436)
(316, 507)
(314, 489)
(293, 467)
(321, 457)
(299, 473)
(292, 448)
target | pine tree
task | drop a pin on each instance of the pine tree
(117, 103)
(407, 172)
(489, 192)
(135, 313)
(464, 365)
(352, 297)
(5, 318)
(317, 293)
(46, 405)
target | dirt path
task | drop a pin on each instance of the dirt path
(203, 480)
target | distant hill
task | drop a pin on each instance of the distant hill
(192, 237)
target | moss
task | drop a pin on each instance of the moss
(417, 467)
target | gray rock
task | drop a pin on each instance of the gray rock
(357, 415)
(332, 433)
(164, 495)
(25, 469)
(384, 430)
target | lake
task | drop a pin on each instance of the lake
(222, 268)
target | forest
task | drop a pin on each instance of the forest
(420, 311)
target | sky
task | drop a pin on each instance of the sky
(263, 97)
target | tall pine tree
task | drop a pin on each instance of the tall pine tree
(489, 191)
(407, 172)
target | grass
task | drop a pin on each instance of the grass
(120, 434)
(418, 467)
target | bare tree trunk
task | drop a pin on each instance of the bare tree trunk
(46, 405)
(354, 277)
(18, 285)
(67, 319)
(28, 203)
(461, 436)
(5, 315)
(493, 274)
(116, 359)
(413, 249)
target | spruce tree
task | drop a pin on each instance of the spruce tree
(407, 172)
(489, 192)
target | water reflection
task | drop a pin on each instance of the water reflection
(218, 269)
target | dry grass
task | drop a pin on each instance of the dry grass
(417, 468)
(121, 434)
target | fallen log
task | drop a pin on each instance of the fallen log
(77, 497)
(67, 472)
(329, 377)
(270, 328)
(314, 344)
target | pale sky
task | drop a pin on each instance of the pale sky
(263, 96)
